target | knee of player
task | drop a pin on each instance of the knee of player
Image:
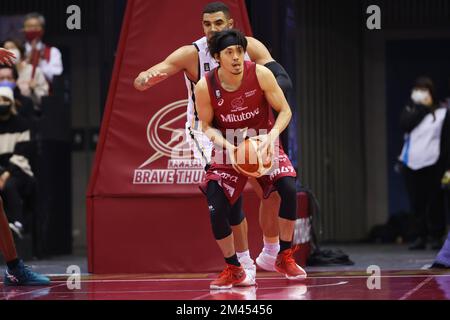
(237, 218)
(219, 222)
(291, 192)
(220, 226)
(288, 193)
(286, 188)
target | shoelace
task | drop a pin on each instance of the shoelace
(289, 255)
(295, 249)
(27, 273)
(226, 273)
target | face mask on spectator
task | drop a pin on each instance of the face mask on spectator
(5, 108)
(9, 84)
(17, 54)
(33, 35)
(419, 96)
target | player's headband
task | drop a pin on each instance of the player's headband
(229, 40)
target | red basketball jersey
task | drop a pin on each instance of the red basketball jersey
(246, 107)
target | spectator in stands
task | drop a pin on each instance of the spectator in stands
(39, 54)
(32, 86)
(8, 78)
(426, 157)
(17, 183)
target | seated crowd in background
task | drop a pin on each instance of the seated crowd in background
(23, 87)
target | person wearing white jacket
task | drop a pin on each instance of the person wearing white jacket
(425, 158)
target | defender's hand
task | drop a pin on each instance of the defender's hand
(147, 79)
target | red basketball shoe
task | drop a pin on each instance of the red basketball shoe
(285, 264)
(229, 277)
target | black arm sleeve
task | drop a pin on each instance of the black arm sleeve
(411, 116)
(283, 79)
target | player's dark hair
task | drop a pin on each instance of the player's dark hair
(217, 7)
(223, 39)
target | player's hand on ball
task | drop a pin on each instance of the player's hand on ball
(232, 151)
(265, 147)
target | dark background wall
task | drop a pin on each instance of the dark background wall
(327, 98)
(413, 41)
(350, 85)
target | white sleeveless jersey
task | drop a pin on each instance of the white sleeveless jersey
(199, 142)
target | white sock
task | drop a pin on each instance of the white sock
(244, 258)
(271, 248)
(243, 254)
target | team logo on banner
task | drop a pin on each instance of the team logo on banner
(167, 139)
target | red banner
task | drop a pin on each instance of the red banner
(139, 192)
(141, 150)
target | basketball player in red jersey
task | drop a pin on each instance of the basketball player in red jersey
(194, 60)
(238, 95)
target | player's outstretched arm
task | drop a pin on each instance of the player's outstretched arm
(177, 61)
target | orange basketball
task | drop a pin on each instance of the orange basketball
(249, 161)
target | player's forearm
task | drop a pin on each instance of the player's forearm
(156, 68)
(217, 138)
